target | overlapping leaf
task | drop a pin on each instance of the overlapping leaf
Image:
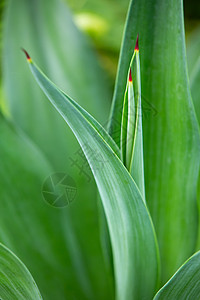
(132, 234)
(15, 280)
(131, 126)
(171, 136)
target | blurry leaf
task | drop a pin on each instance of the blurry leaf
(195, 88)
(91, 23)
(185, 282)
(63, 52)
(104, 14)
(29, 226)
(171, 137)
(48, 30)
(132, 235)
(193, 46)
(15, 280)
(193, 59)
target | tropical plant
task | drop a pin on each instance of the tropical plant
(145, 163)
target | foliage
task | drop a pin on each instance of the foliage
(148, 216)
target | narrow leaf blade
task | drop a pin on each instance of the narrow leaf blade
(132, 235)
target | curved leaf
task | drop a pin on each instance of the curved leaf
(185, 282)
(132, 235)
(15, 280)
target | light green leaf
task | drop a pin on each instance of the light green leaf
(193, 58)
(49, 31)
(16, 281)
(131, 127)
(46, 30)
(185, 282)
(31, 227)
(123, 138)
(193, 61)
(171, 136)
(132, 235)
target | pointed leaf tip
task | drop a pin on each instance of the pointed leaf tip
(136, 44)
(130, 75)
(27, 55)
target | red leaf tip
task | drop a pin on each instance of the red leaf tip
(136, 44)
(130, 76)
(27, 55)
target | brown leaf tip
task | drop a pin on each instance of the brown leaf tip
(27, 55)
(136, 44)
(130, 76)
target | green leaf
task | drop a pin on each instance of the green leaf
(47, 30)
(31, 227)
(137, 168)
(193, 45)
(185, 282)
(131, 126)
(132, 235)
(195, 88)
(123, 139)
(16, 281)
(193, 58)
(171, 136)
(67, 56)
